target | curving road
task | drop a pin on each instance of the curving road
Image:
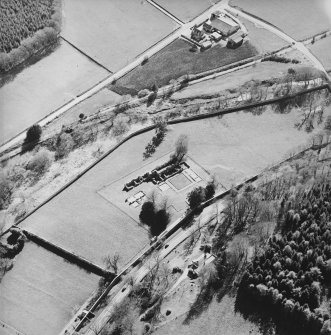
(297, 45)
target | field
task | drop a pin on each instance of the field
(287, 15)
(322, 50)
(262, 71)
(232, 148)
(120, 30)
(44, 86)
(262, 39)
(176, 60)
(38, 296)
(186, 10)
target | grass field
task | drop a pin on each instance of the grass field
(262, 71)
(119, 30)
(288, 15)
(262, 39)
(38, 296)
(44, 86)
(322, 50)
(219, 318)
(176, 60)
(232, 148)
(186, 10)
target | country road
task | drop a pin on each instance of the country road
(297, 45)
(182, 30)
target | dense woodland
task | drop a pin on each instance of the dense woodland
(26, 26)
(290, 280)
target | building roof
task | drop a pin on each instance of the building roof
(237, 37)
(222, 26)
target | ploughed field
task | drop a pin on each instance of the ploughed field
(114, 32)
(40, 293)
(233, 148)
(186, 10)
(43, 86)
(299, 19)
(176, 60)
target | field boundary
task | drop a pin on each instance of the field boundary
(86, 55)
(171, 122)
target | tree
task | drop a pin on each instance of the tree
(147, 213)
(196, 197)
(181, 148)
(111, 262)
(120, 125)
(64, 145)
(40, 162)
(210, 190)
(160, 222)
(33, 134)
(5, 191)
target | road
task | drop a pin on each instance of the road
(124, 290)
(184, 29)
(297, 45)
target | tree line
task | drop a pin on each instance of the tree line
(26, 27)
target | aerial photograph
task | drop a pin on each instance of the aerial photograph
(165, 167)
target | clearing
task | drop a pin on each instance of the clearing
(114, 32)
(44, 86)
(186, 10)
(288, 15)
(176, 60)
(322, 50)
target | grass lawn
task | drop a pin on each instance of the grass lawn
(114, 32)
(322, 50)
(262, 39)
(176, 60)
(186, 10)
(299, 19)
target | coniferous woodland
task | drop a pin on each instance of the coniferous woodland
(26, 27)
(290, 280)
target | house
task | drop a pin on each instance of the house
(216, 36)
(236, 40)
(208, 28)
(206, 45)
(197, 34)
(222, 27)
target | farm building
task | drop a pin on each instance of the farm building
(220, 26)
(197, 34)
(206, 45)
(236, 40)
(216, 36)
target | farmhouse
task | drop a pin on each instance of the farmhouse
(236, 40)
